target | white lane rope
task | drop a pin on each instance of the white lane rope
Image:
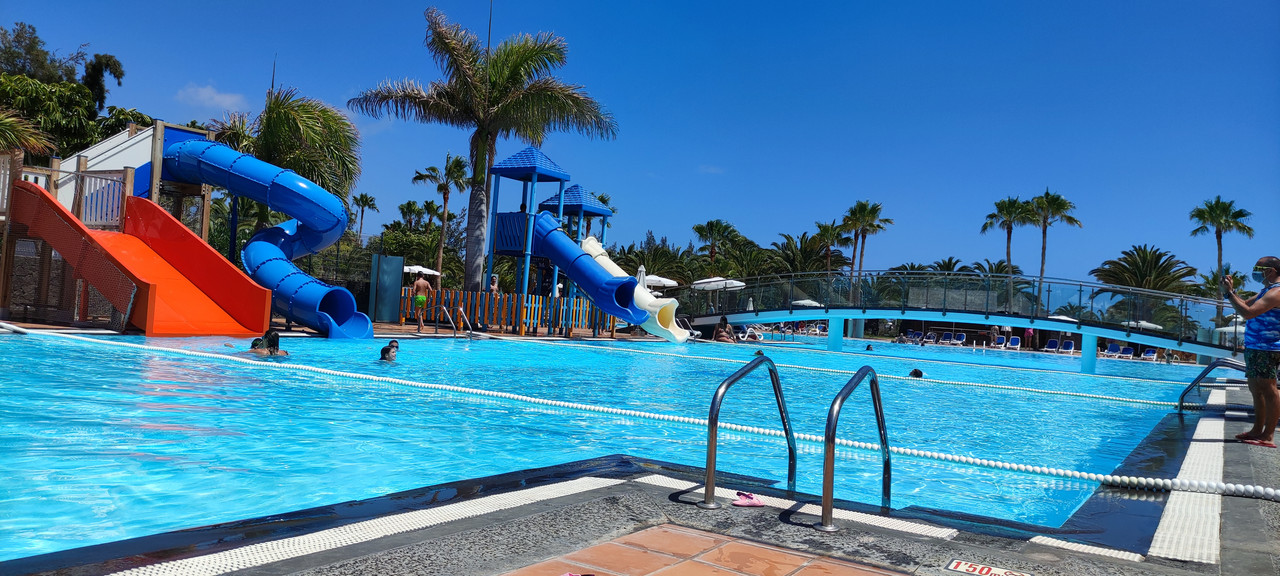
(1139, 401)
(1166, 484)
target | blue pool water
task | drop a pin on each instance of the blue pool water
(100, 443)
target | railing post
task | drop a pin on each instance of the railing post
(126, 191)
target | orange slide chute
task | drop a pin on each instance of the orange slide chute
(185, 288)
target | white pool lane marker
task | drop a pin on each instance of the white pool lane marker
(1087, 549)
(811, 509)
(1190, 525)
(286, 548)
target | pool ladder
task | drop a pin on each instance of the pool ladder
(829, 440)
(1204, 374)
(462, 315)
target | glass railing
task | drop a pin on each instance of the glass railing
(1132, 310)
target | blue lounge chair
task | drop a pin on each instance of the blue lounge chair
(1112, 350)
(1126, 352)
(946, 338)
(958, 340)
(1068, 347)
(931, 338)
(999, 343)
(1050, 346)
(1149, 354)
(1015, 343)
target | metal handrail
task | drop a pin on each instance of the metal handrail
(688, 326)
(713, 426)
(1219, 363)
(448, 316)
(462, 314)
(829, 449)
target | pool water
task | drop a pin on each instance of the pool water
(100, 443)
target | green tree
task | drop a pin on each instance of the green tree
(950, 264)
(95, 76)
(15, 132)
(63, 110)
(364, 202)
(298, 133)
(1009, 214)
(1050, 208)
(798, 254)
(606, 201)
(22, 53)
(1146, 267)
(118, 119)
(1221, 217)
(452, 177)
(506, 92)
(412, 214)
(833, 236)
(712, 234)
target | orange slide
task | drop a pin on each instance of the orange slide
(185, 288)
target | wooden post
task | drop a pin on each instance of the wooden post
(15, 159)
(55, 164)
(125, 194)
(157, 159)
(206, 192)
(77, 199)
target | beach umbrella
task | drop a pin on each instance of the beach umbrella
(654, 280)
(717, 283)
(1143, 325)
(751, 303)
(806, 302)
(1063, 318)
(422, 269)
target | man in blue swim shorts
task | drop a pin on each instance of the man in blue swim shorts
(1261, 349)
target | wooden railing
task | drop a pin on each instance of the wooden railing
(504, 312)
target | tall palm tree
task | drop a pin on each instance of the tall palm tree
(1009, 214)
(950, 264)
(298, 133)
(506, 92)
(863, 219)
(452, 177)
(1147, 267)
(363, 201)
(16, 132)
(606, 201)
(712, 234)
(412, 214)
(1220, 216)
(95, 76)
(1050, 208)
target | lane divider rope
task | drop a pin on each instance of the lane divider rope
(1139, 401)
(1164, 484)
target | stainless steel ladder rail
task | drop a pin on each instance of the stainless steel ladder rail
(447, 316)
(1219, 363)
(829, 448)
(713, 426)
(462, 315)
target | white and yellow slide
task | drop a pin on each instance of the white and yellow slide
(662, 311)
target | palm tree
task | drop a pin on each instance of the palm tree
(1050, 208)
(298, 133)
(950, 264)
(798, 254)
(1220, 216)
(17, 133)
(1147, 267)
(452, 177)
(832, 236)
(412, 214)
(95, 76)
(1010, 212)
(504, 93)
(863, 219)
(363, 201)
(606, 201)
(713, 234)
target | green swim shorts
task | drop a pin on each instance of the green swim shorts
(1261, 363)
(419, 301)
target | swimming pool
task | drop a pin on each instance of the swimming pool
(122, 442)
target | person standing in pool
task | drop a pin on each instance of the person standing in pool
(421, 288)
(390, 351)
(1261, 348)
(268, 345)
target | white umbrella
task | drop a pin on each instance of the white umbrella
(1230, 329)
(658, 281)
(807, 302)
(1063, 318)
(1144, 325)
(640, 274)
(423, 269)
(717, 283)
(751, 303)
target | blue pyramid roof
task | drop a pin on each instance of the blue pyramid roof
(576, 201)
(523, 165)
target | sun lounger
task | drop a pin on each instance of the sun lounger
(1126, 352)
(1112, 350)
(946, 338)
(931, 338)
(1149, 354)
(1050, 346)
(1068, 347)
(1015, 343)
(958, 340)
(999, 343)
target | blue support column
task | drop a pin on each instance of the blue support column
(859, 327)
(235, 226)
(604, 226)
(493, 232)
(557, 304)
(531, 191)
(1088, 354)
(835, 334)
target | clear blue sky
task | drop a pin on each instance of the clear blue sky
(775, 115)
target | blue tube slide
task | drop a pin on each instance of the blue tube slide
(614, 295)
(320, 220)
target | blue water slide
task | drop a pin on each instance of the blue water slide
(614, 295)
(319, 221)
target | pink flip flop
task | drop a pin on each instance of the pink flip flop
(1262, 443)
(748, 500)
